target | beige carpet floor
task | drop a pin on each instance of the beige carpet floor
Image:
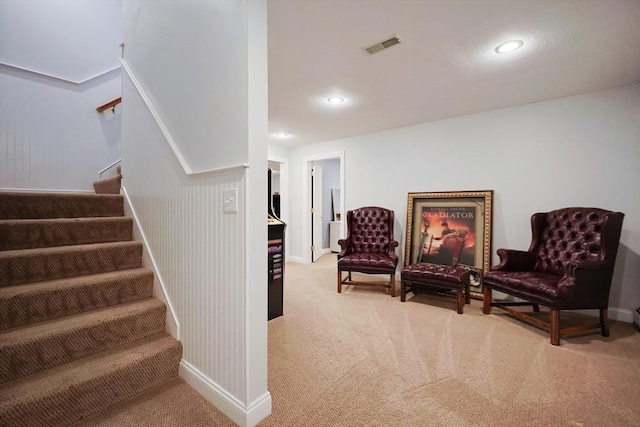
(362, 358)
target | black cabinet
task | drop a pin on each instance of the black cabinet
(275, 248)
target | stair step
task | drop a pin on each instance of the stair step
(35, 265)
(16, 205)
(73, 392)
(51, 299)
(42, 233)
(33, 348)
(108, 185)
(173, 403)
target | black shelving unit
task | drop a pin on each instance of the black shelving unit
(275, 253)
(275, 247)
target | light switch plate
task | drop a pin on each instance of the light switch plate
(230, 200)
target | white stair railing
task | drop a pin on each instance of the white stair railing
(110, 170)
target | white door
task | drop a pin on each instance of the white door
(316, 212)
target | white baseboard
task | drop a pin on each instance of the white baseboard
(44, 190)
(300, 260)
(243, 416)
(613, 313)
(297, 259)
(621, 314)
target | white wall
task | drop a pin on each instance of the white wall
(71, 40)
(51, 136)
(278, 151)
(576, 151)
(275, 180)
(258, 399)
(212, 262)
(203, 41)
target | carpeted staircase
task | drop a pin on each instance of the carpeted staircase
(79, 329)
(109, 185)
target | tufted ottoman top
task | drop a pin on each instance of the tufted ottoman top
(455, 277)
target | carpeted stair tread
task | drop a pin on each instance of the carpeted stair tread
(108, 185)
(79, 328)
(67, 394)
(40, 233)
(35, 265)
(16, 205)
(51, 299)
(33, 348)
(172, 404)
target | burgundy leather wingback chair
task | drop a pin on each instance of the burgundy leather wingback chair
(569, 266)
(369, 246)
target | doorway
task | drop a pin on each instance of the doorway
(323, 196)
(280, 192)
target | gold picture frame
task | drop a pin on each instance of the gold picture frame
(433, 216)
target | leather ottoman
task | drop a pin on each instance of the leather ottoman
(440, 276)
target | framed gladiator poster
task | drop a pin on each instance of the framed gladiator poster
(436, 220)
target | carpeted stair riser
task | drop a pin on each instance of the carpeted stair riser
(79, 328)
(70, 393)
(35, 265)
(44, 233)
(37, 302)
(109, 185)
(57, 205)
(34, 348)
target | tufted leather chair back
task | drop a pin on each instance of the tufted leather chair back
(369, 229)
(574, 234)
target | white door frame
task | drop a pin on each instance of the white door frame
(317, 217)
(284, 197)
(306, 198)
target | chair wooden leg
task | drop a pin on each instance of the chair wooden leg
(604, 325)
(339, 282)
(403, 291)
(555, 327)
(393, 285)
(460, 300)
(536, 308)
(486, 300)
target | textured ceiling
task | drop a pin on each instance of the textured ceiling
(446, 65)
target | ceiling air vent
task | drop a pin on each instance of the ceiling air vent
(384, 45)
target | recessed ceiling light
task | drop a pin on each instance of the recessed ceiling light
(509, 46)
(335, 100)
(282, 135)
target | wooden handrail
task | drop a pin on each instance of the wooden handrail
(108, 105)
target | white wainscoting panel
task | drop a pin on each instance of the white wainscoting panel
(51, 136)
(198, 248)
